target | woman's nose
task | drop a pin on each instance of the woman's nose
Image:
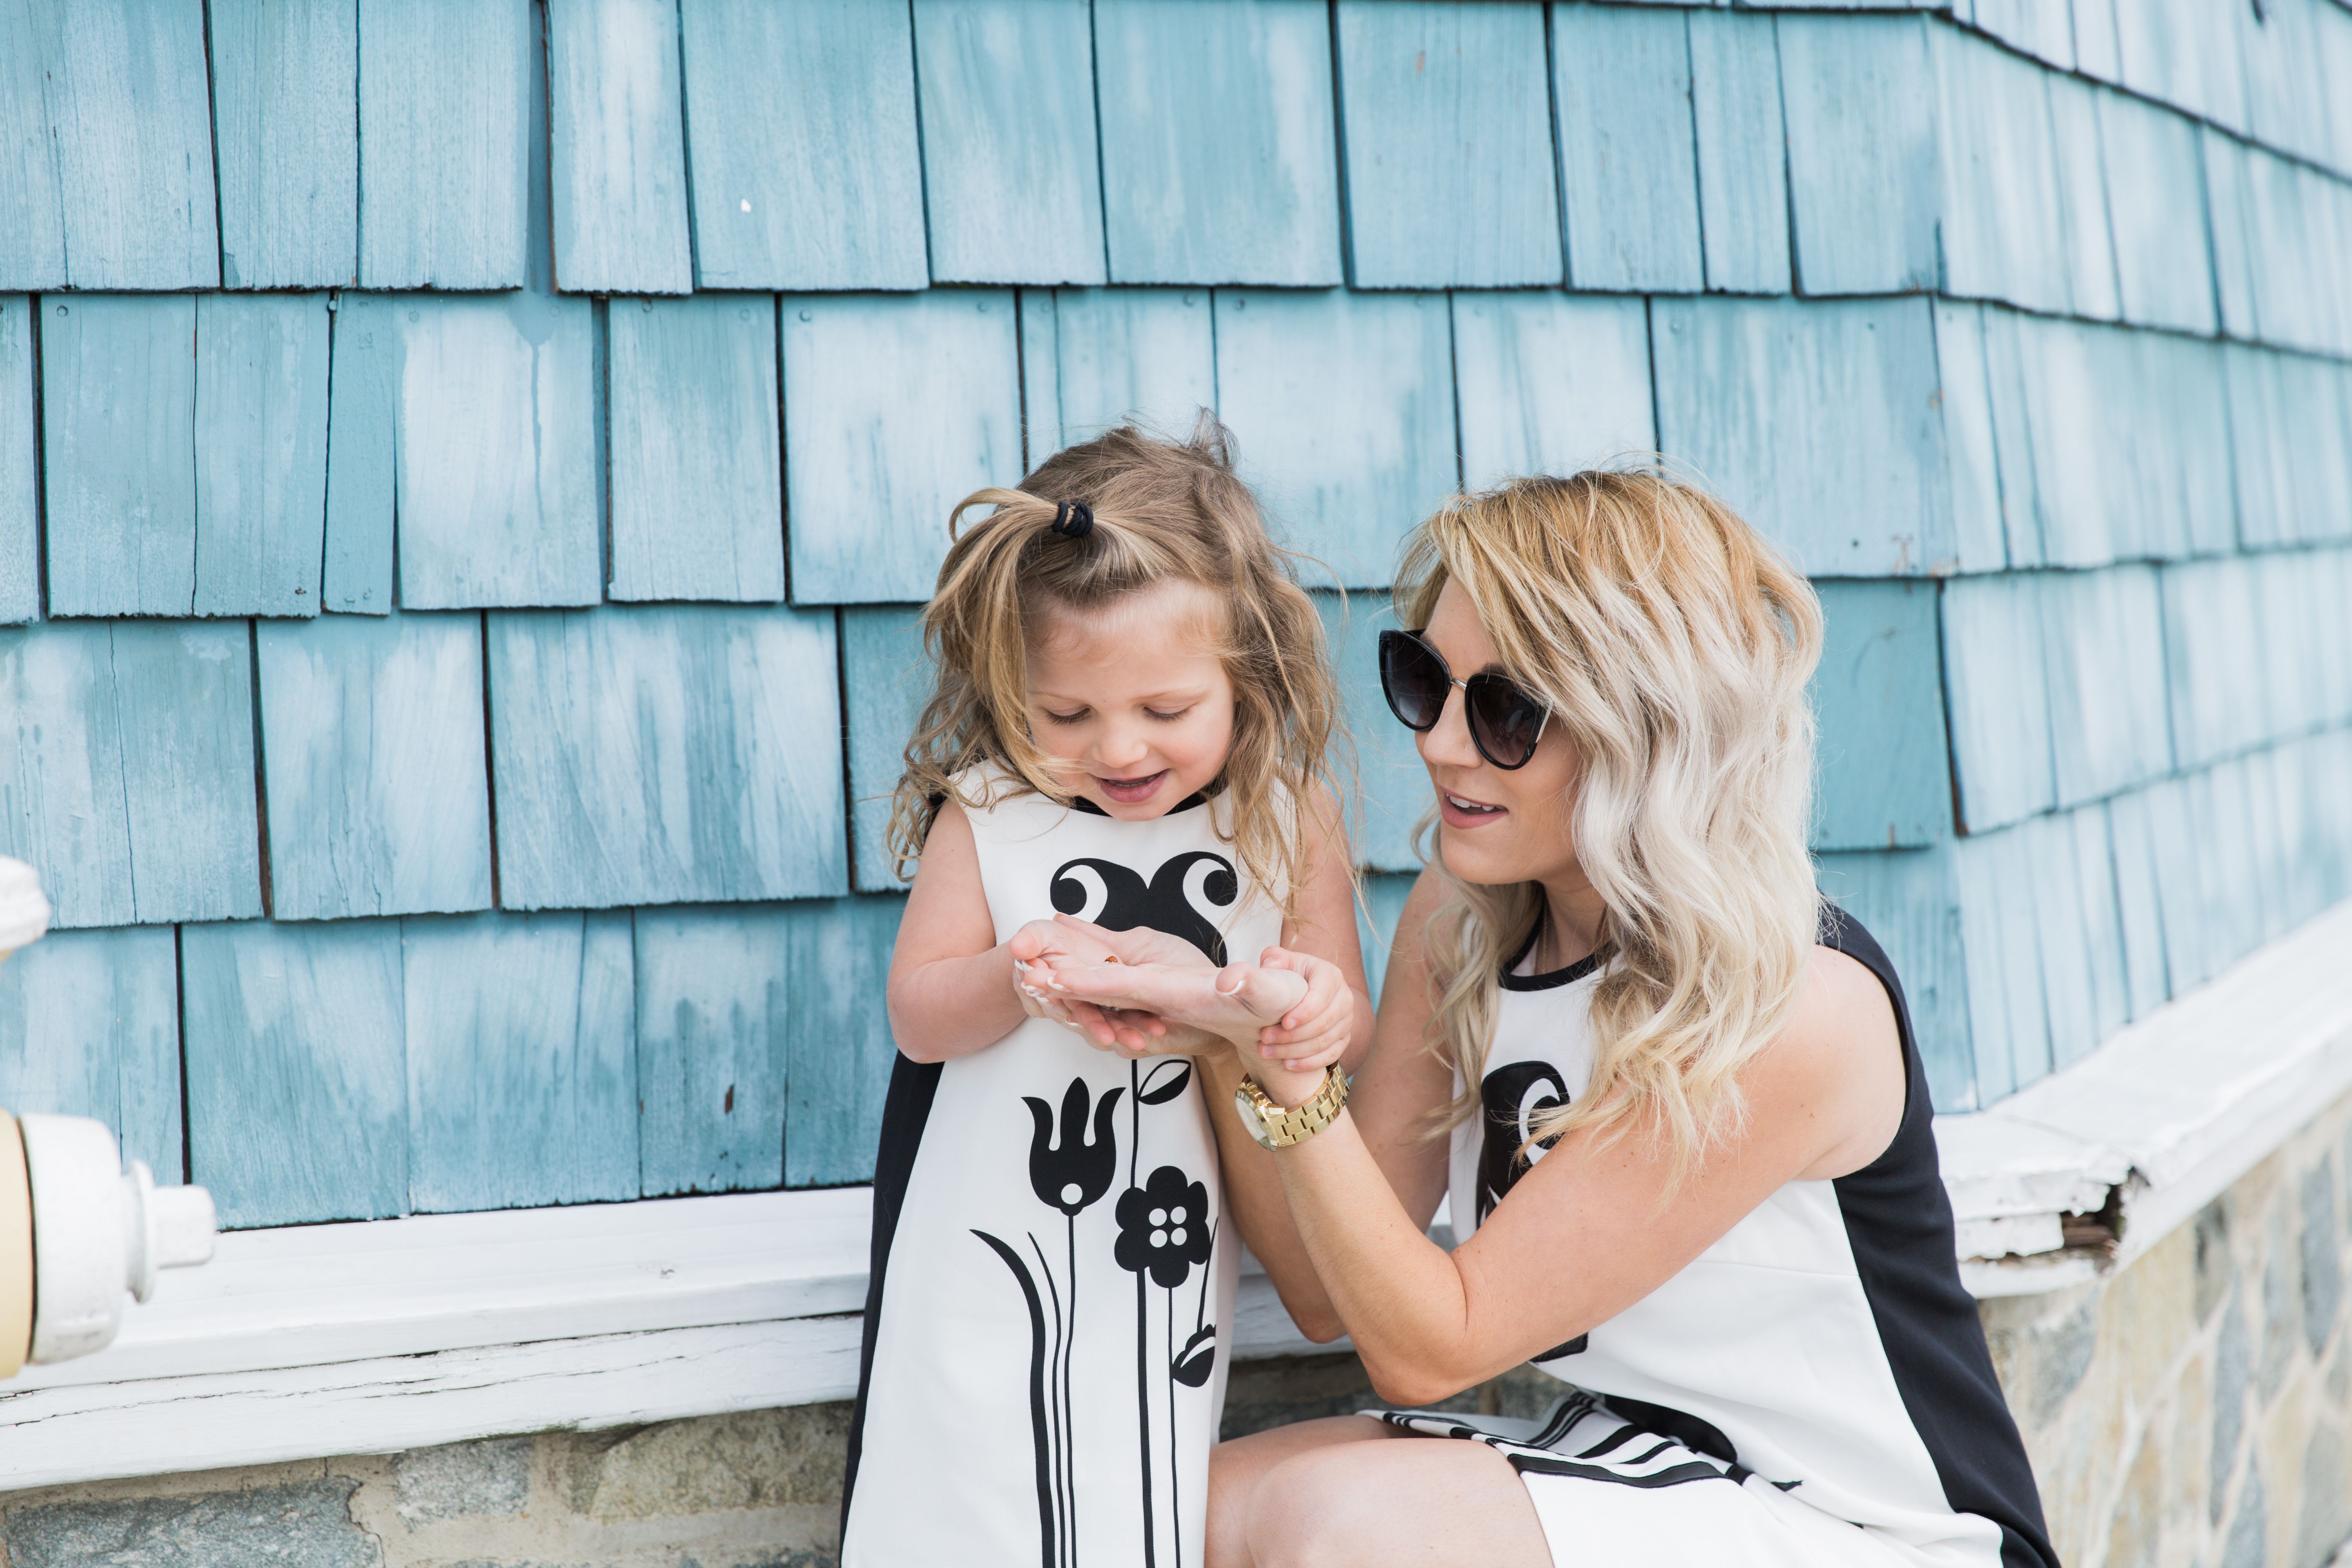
(1447, 743)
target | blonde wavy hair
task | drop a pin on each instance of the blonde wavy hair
(1674, 647)
(1162, 510)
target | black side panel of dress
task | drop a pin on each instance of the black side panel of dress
(1898, 1220)
(913, 1086)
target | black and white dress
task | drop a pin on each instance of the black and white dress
(1052, 1287)
(1819, 1368)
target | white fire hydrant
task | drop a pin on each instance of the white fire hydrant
(78, 1231)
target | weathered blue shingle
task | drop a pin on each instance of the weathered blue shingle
(90, 1026)
(1343, 406)
(376, 786)
(1091, 358)
(1628, 160)
(1220, 157)
(1549, 383)
(1012, 174)
(286, 132)
(444, 132)
(617, 137)
(1446, 119)
(816, 186)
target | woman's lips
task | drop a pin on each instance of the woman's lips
(1133, 792)
(1460, 811)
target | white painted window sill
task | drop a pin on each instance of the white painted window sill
(336, 1339)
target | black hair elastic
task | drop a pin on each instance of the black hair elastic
(1074, 520)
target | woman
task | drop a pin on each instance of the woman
(1675, 1099)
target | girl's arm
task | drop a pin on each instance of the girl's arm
(1590, 1230)
(951, 988)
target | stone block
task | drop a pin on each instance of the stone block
(303, 1526)
(2061, 1354)
(2326, 1507)
(2138, 1530)
(2246, 1546)
(2323, 1263)
(2215, 1266)
(2233, 1362)
(463, 1480)
(758, 1458)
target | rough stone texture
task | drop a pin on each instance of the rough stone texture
(2193, 1410)
(463, 1480)
(304, 1526)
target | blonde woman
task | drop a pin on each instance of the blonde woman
(1675, 1097)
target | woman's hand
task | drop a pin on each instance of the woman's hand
(1235, 1003)
(1040, 946)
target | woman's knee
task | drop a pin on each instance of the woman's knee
(1301, 1511)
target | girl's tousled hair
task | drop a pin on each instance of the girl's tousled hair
(1162, 510)
(1674, 647)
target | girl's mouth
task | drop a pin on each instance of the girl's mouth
(1460, 811)
(1133, 792)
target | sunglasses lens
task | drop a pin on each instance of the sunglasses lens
(1504, 721)
(1413, 679)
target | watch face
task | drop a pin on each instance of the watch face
(1251, 1122)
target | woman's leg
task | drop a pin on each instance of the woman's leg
(1355, 1491)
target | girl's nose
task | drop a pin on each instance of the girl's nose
(1119, 749)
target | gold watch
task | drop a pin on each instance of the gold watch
(1275, 1127)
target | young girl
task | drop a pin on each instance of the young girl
(1129, 727)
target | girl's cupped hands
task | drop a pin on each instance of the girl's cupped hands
(1289, 1007)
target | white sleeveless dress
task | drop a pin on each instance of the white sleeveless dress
(1819, 1368)
(1051, 1300)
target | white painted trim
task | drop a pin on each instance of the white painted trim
(2171, 1110)
(338, 1339)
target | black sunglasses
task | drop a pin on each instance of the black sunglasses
(1505, 722)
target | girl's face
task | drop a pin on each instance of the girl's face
(1129, 702)
(1496, 826)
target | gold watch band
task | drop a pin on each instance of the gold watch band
(1276, 1126)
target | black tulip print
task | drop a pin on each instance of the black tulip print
(1072, 1172)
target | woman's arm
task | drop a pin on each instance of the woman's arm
(1322, 924)
(1398, 1087)
(1590, 1230)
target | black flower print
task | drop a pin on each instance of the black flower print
(1072, 1172)
(1163, 1227)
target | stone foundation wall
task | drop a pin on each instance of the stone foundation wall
(2196, 1408)
(2193, 1410)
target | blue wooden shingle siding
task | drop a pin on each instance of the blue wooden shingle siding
(618, 135)
(1343, 404)
(286, 142)
(1011, 169)
(1446, 117)
(2066, 538)
(1820, 423)
(290, 1026)
(90, 1026)
(20, 467)
(118, 398)
(697, 472)
(1389, 790)
(373, 768)
(885, 679)
(1743, 157)
(668, 755)
(1628, 160)
(1549, 383)
(493, 438)
(362, 438)
(1860, 104)
(1884, 780)
(1094, 358)
(261, 453)
(807, 173)
(522, 1062)
(1220, 157)
(443, 136)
